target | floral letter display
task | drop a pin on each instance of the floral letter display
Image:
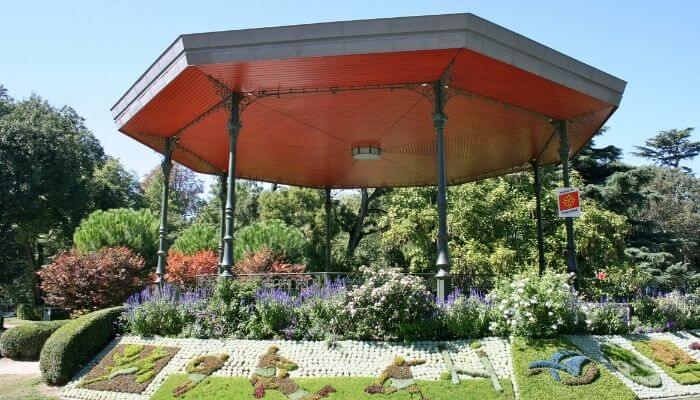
(581, 368)
(198, 369)
(128, 368)
(272, 373)
(630, 365)
(675, 362)
(399, 376)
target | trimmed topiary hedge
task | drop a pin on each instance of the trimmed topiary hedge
(25, 342)
(28, 312)
(75, 343)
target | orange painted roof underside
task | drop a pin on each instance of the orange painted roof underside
(498, 118)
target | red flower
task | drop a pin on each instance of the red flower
(601, 275)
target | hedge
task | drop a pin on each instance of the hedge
(75, 343)
(28, 312)
(24, 342)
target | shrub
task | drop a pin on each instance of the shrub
(227, 312)
(195, 238)
(466, 317)
(286, 242)
(321, 313)
(91, 281)
(606, 318)
(669, 312)
(389, 305)
(134, 229)
(163, 311)
(534, 306)
(28, 312)
(75, 343)
(24, 342)
(183, 269)
(265, 261)
(273, 312)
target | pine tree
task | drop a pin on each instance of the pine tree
(669, 148)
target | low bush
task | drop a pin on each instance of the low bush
(86, 282)
(163, 311)
(535, 306)
(24, 342)
(666, 312)
(286, 242)
(75, 343)
(607, 318)
(28, 312)
(184, 268)
(136, 230)
(390, 305)
(466, 317)
(196, 238)
(266, 261)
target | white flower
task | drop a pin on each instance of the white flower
(589, 322)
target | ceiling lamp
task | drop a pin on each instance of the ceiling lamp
(366, 153)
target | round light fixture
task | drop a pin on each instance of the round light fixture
(366, 153)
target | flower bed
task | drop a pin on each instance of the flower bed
(674, 361)
(128, 368)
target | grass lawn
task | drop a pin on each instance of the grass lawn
(14, 321)
(543, 386)
(217, 388)
(22, 387)
(684, 378)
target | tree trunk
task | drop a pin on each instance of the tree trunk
(356, 233)
(32, 265)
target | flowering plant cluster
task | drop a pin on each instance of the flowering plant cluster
(535, 306)
(163, 310)
(390, 305)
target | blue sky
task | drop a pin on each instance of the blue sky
(87, 53)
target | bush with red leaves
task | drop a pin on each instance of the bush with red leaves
(84, 282)
(264, 261)
(183, 269)
(695, 346)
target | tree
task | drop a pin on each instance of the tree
(596, 164)
(301, 208)
(246, 209)
(364, 222)
(670, 148)
(185, 191)
(114, 186)
(47, 159)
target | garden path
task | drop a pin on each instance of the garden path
(10, 367)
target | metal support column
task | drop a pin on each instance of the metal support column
(222, 220)
(234, 128)
(328, 230)
(443, 261)
(569, 221)
(538, 214)
(166, 167)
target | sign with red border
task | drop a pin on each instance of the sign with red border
(569, 202)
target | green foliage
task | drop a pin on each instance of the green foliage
(136, 230)
(303, 209)
(24, 342)
(467, 317)
(669, 148)
(285, 241)
(246, 208)
(670, 311)
(535, 306)
(75, 343)
(538, 387)
(114, 186)
(185, 191)
(221, 388)
(389, 305)
(131, 361)
(606, 319)
(195, 238)
(28, 312)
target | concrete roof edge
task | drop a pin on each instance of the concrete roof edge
(333, 38)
